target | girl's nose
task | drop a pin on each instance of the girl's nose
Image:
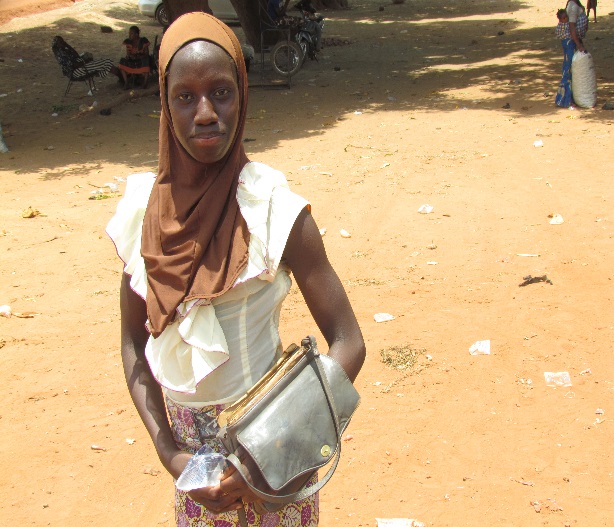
(205, 112)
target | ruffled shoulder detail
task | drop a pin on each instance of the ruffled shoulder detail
(194, 345)
(126, 227)
(270, 209)
(188, 350)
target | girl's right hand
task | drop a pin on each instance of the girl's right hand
(228, 495)
(216, 500)
(213, 498)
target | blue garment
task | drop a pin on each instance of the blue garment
(564, 97)
(274, 9)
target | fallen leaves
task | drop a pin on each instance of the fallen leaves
(106, 191)
(7, 312)
(26, 314)
(534, 280)
(400, 357)
(524, 482)
(31, 212)
(549, 505)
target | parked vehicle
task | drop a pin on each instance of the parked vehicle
(288, 56)
(309, 38)
(222, 9)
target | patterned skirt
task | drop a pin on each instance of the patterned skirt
(564, 96)
(192, 429)
(99, 68)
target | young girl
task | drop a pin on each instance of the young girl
(208, 246)
(591, 4)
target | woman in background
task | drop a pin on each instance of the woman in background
(569, 32)
(136, 61)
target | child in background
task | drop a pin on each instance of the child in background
(591, 4)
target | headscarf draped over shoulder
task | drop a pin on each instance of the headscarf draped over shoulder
(195, 241)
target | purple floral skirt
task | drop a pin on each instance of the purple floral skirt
(193, 428)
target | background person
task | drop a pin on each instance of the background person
(67, 57)
(136, 61)
(591, 4)
(276, 9)
(574, 9)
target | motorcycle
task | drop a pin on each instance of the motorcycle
(289, 55)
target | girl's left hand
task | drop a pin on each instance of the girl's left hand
(233, 484)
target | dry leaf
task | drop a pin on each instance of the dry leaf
(30, 213)
(26, 314)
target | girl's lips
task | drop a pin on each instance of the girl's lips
(207, 135)
(207, 138)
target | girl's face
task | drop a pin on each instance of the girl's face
(203, 99)
(563, 19)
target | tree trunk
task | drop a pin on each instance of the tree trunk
(176, 8)
(249, 17)
(330, 4)
(248, 11)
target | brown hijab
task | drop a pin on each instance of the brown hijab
(195, 240)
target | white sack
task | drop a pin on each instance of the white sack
(583, 80)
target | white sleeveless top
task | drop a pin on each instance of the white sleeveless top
(215, 351)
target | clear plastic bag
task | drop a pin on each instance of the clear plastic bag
(203, 470)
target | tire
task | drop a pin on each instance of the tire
(287, 58)
(304, 48)
(162, 16)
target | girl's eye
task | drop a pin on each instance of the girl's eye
(185, 97)
(222, 92)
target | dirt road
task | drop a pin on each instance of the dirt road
(425, 103)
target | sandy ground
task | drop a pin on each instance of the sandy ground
(410, 112)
